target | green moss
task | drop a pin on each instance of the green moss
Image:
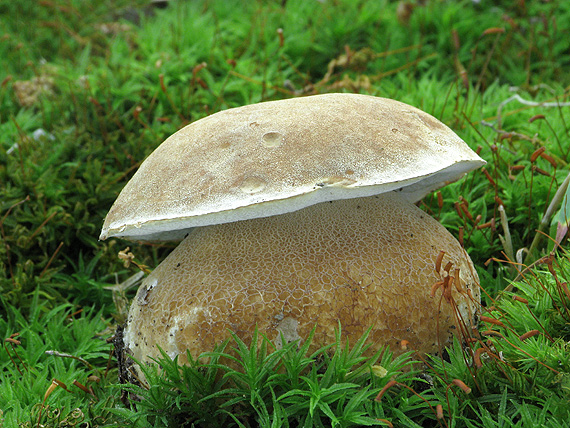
(106, 82)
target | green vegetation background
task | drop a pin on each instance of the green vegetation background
(89, 89)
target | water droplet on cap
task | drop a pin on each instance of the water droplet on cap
(253, 184)
(272, 139)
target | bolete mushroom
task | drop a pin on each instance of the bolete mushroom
(298, 214)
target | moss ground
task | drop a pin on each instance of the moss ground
(89, 89)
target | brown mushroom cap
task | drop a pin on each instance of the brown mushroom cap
(276, 157)
(364, 262)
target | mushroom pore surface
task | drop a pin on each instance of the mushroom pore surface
(364, 262)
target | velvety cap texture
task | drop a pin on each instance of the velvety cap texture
(280, 156)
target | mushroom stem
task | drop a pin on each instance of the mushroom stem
(364, 262)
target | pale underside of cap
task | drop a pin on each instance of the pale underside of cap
(280, 156)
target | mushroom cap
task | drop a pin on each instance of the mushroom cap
(280, 156)
(363, 262)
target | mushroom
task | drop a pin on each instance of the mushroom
(299, 214)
